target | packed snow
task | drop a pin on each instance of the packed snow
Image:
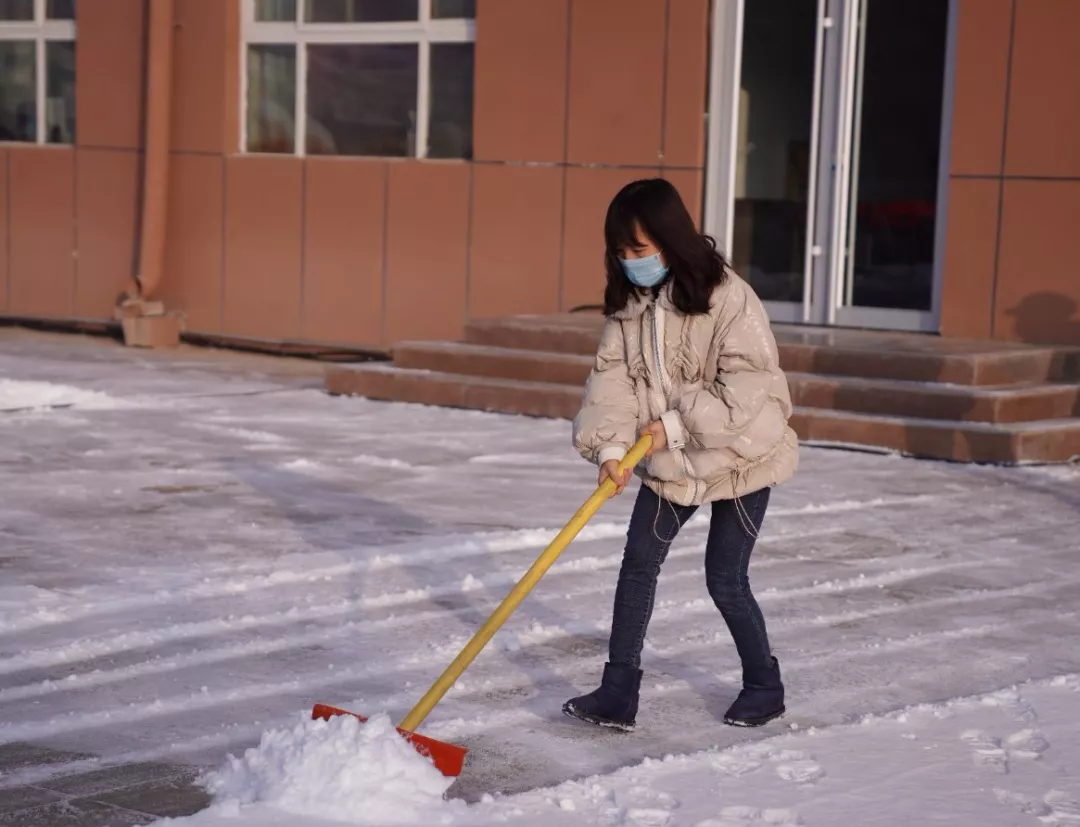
(365, 773)
(188, 568)
(973, 761)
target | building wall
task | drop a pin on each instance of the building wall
(355, 251)
(1011, 263)
(367, 252)
(68, 214)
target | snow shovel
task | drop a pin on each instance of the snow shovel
(448, 758)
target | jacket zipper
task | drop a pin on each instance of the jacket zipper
(665, 382)
(665, 387)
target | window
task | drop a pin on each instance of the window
(37, 71)
(359, 77)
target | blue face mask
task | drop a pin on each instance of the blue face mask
(645, 272)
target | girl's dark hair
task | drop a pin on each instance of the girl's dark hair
(695, 266)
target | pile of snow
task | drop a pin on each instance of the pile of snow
(339, 769)
(16, 394)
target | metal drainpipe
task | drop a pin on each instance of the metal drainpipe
(145, 323)
(156, 150)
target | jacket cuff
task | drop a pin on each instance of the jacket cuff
(676, 436)
(608, 453)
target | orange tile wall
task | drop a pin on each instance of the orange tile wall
(368, 252)
(68, 214)
(41, 227)
(350, 251)
(339, 250)
(344, 243)
(1014, 195)
(5, 284)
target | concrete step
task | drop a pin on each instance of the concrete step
(931, 400)
(872, 355)
(1042, 441)
(989, 369)
(381, 380)
(1003, 404)
(494, 362)
(569, 334)
(1017, 443)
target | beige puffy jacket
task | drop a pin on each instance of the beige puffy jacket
(714, 381)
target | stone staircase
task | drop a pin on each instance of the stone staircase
(919, 395)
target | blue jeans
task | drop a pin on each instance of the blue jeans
(653, 526)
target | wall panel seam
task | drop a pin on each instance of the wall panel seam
(385, 253)
(664, 86)
(7, 234)
(992, 177)
(74, 233)
(223, 259)
(566, 154)
(303, 246)
(468, 241)
(1001, 186)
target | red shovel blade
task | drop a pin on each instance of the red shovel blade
(448, 758)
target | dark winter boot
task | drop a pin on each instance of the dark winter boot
(761, 699)
(614, 704)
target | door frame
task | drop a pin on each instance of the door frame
(834, 109)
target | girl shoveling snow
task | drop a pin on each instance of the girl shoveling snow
(688, 357)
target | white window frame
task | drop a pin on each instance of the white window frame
(40, 31)
(423, 32)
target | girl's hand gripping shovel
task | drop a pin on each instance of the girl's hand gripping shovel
(448, 758)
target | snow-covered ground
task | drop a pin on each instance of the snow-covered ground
(978, 761)
(195, 550)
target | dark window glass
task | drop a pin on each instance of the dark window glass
(361, 11)
(451, 114)
(16, 9)
(275, 10)
(453, 8)
(895, 155)
(60, 10)
(362, 99)
(772, 169)
(60, 92)
(18, 91)
(271, 98)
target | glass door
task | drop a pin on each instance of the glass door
(893, 138)
(775, 147)
(825, 155)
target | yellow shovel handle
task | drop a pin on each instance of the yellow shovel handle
(518, 593)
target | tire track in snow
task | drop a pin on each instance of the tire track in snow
(204, 657)
(89, 648)
(236, 737)
(679, 610)
(212, 588)
(196, 702)
(86, 650)
(40, 773)
(444, 729)
(522, 540)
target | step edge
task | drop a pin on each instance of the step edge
(387, 368)
(947, 424)
(495, 350)
(1034, 387)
